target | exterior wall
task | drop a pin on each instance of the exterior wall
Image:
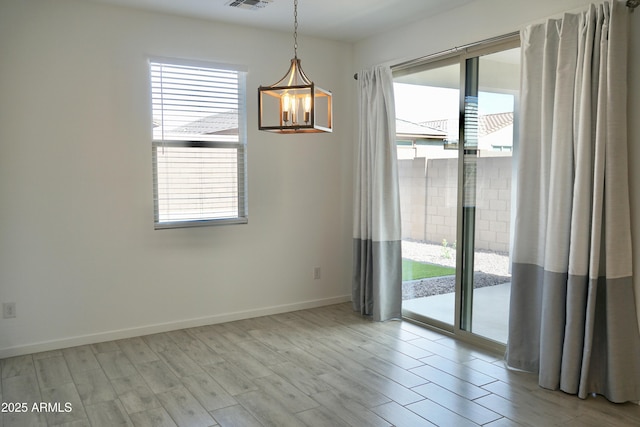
(413, 191)
(493, 203)
(442, 200)
(428, 191)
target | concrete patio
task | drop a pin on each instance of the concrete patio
(490, 310)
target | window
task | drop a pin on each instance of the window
(199, 144)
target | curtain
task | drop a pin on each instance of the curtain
(572, 314)
(377, 276)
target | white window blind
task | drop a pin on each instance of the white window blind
(199, 144)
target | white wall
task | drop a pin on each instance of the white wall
(479, 20)
(490, 18)
(78, 252)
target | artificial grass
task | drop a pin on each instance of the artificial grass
(414, 270)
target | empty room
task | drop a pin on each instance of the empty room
(319, 213)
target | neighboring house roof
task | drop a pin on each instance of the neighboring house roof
(221, 123)
(441, 124)
(407, 129)
(491, 123)
(488, 123)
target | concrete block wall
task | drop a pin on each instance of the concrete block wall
(413, 187)
(442, 200)
(428, 191)
(493, 203)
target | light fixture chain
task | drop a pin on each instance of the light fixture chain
(295, 28)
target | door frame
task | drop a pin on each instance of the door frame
(467, 57)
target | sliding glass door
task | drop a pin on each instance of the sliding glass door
(427, 126)
(497, 79)
(455, 131)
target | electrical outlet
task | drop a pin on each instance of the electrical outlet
(8, 310)
(316, 273)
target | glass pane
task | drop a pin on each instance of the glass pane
(498, 84)
(427, 112)
(196, 183)
(194, 103)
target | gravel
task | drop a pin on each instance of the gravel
(491, 268)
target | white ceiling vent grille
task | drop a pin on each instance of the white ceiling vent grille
(249, 4)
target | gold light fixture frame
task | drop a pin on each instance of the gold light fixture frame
(294, 104)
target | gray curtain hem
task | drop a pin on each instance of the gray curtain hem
(377, 281)
(579, 334)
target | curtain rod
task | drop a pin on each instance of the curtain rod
(631, 4)
(432, 56)
(412, 62)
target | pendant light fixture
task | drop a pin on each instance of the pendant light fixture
(294, 104)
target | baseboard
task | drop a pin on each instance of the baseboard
(166, 327)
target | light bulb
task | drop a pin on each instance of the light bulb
(286, 105)
(307, 108)
(293, 108)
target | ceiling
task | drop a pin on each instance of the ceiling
(344, 20)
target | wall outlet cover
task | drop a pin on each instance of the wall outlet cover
(8, 310)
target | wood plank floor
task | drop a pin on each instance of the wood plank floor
(319, 367)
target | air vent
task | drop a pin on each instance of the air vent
(249, 4)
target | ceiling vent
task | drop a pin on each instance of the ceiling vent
(249, 4)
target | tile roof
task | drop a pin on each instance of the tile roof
(491, 123)
(488, 123)
(220, 123)
(417, 130)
